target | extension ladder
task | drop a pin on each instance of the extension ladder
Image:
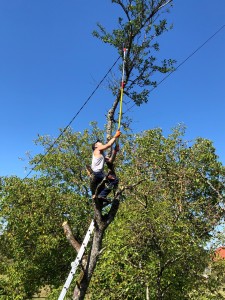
(77, 261)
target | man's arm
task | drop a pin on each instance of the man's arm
(110, 142)
(113, 156)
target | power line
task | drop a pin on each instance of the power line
(72, 120)
(183, 62)
(88, 99)
(186, 59)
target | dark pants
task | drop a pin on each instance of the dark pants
(106, 187)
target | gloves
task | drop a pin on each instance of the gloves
(118, 133)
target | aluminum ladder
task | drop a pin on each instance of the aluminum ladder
(75, 264)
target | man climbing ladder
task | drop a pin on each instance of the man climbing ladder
(97, 166)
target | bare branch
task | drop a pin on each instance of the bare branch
(212, 187)
(128, 187)
(70, 237)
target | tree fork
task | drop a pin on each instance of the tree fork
(81, 289)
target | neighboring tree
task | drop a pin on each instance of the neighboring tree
(213, 285)
(34, 210)
(159, 237)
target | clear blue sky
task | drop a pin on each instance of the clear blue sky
(50, 64)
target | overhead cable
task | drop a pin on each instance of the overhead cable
(183, 62)
(72, 120)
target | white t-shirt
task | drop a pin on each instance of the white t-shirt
(97, 164)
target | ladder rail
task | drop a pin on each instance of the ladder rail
(75, 264)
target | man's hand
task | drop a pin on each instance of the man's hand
(118, 133)
(117, 148)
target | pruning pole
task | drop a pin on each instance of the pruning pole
(122, 88)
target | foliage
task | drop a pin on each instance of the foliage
(139, 29)
(213, 285)
(158, 238)
(34, 210)
(171, 205)
(172, 195)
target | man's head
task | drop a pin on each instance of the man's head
(94, 145)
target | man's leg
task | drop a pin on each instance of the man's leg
(95, 183)
(109, 186)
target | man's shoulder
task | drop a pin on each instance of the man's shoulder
(97, 153)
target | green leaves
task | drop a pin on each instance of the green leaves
(138, 30)
(159, 234)
(171, 204)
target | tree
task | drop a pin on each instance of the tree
(137, 33)
(62, 190)
(138, 30)
(160, 234)
(34, 209)
(172, 202)
(212, 287)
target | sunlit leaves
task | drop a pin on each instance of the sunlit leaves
(173, 200)
(158, 237)
(138, 30)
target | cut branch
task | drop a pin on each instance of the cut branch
(70, 237)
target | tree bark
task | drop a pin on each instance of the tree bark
(91, 264)
(101, 223)
(70, 237)
(110, 117)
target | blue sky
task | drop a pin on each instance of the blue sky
(50, 64)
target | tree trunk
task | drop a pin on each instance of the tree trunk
(110, 117)
(80, 292)
(101, 223)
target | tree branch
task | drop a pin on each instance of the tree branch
(212, 187)
(70, 237)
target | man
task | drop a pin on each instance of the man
(97, 166)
